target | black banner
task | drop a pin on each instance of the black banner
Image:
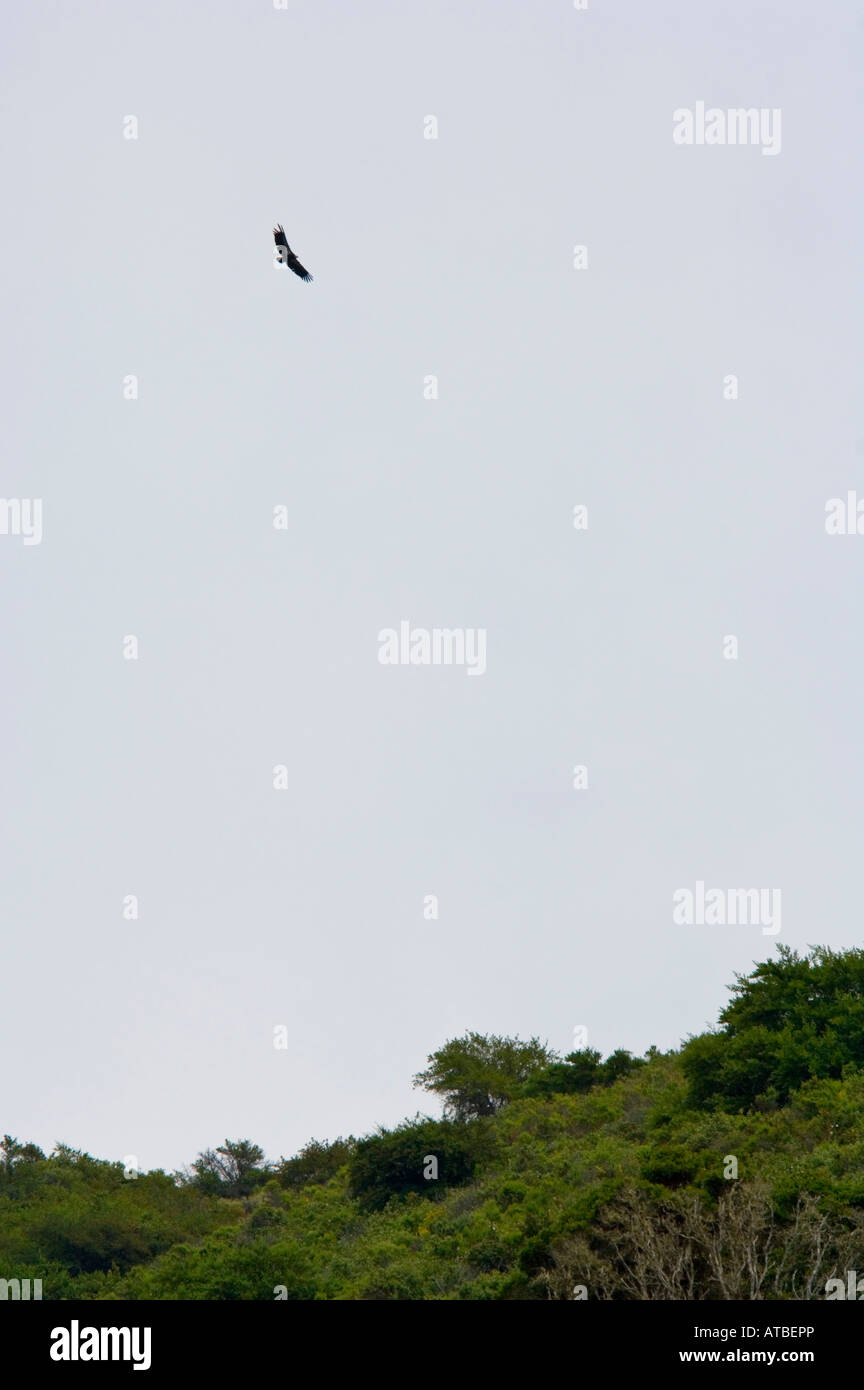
(84, 1339)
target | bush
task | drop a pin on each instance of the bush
(392, 1162)
(316, 1162)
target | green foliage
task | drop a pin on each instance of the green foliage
(792, 1019)
(394, 1162)
(476, 1075)
(234, 1170)
(74, 1221)
(226, 1266)
(617, 1065)
(580, 1071)
(316, 1162)
(551, 1173)
(669, 1165)
(13, 1152)
(575, 1075)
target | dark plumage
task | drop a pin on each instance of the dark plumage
(286, 255)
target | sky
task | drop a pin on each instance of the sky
(252, 874)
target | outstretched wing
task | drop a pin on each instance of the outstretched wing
(288, 258)
(293, 264)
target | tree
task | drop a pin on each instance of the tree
(619, 1063)
(476, 1075)
(580, 1071)
(13, 1152)
(576, 1074)
(793, 1018)
(232, 1170)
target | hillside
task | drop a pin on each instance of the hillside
(730, 1168)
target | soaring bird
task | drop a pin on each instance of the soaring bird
(285, 255)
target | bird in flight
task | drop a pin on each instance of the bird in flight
(285, 255)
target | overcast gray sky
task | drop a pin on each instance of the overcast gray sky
(303, 907)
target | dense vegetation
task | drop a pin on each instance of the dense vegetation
(731, 1168)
